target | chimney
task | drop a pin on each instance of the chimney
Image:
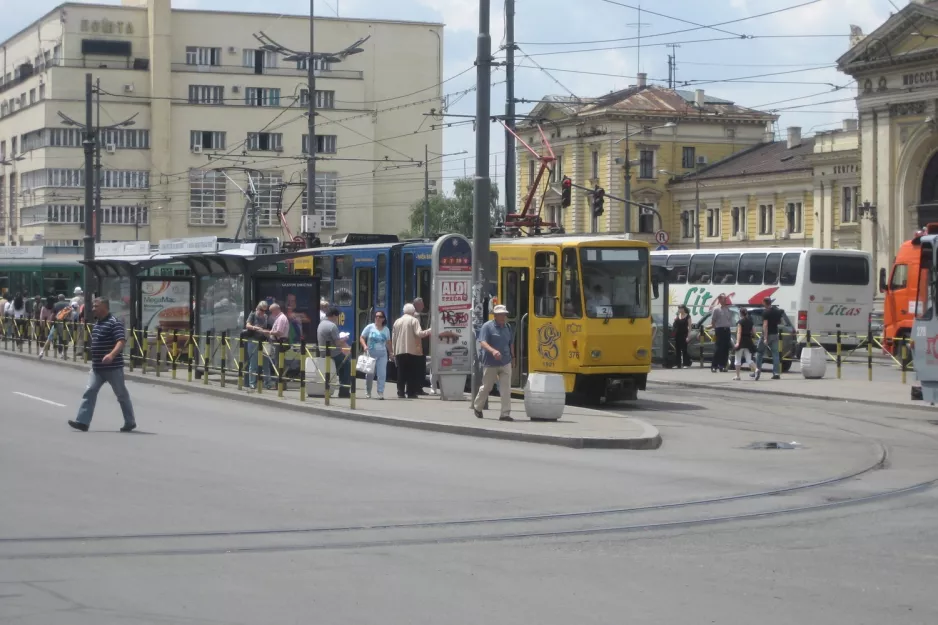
(642, 80)
(850, 125)
(794, 136)
(699, 98)
(769, 135)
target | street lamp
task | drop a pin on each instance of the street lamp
(628, 168)
(696, 201)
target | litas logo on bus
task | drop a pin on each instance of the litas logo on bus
(704, 300)
(838, 310)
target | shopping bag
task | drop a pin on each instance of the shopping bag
(366, 365)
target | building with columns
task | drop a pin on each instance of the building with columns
(203, 97)
(662, 133)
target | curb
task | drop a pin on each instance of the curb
(649, 439)
(736, 389)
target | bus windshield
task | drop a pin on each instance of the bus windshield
(615, 282)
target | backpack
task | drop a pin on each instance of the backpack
(65, 314)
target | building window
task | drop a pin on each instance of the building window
(713, 223)
(256, 96)
(3, 150)
(687, 224)
(208, 194)
(646, 164)
(555, 215)
(258, 59)
(126, 138)
(42, 92)
(65, 137)
(206, 94)
(32, 96)
(766, 219)
(64, 214)
(739, 220)
(33, 140)
(125, 215)
(125, 179)
(265, 141)
(689, 158)
(324, 99)
(848, 207)
(207, 139)
(318, 64)
(61, 178)
(594, 165)
(325, 198)
(325, 144)
(558, 167)
(793, 217)
(267, 199)
(531, 173)
(203, 56)
(646, 219)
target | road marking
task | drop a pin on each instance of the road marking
(46, 401)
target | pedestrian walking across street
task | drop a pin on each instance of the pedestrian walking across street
(769, 341)
(107, 366)
(496, 344)
(722, 320)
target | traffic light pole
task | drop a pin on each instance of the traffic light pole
(628, 183)
(511, 160)
(628, 203)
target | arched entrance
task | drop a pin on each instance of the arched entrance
(928, 198)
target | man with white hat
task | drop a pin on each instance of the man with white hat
(79, 296)
(496, 345)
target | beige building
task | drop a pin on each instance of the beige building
(800, 192)
(205, 98)
(670, 133)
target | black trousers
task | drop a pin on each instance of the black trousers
(410, 374)
(721, 352)
(682, 356)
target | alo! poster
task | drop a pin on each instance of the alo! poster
(165, 304)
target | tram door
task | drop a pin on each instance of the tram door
(364, 300)
(424, 280)
(514, 295)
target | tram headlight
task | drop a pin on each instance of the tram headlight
(597, 354)
(641, 354)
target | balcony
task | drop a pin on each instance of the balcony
(346, 74)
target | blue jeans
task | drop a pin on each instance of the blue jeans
(381, 370)
(769, 343)
(252, 349)
(114, 377)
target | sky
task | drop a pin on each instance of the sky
(759, 62)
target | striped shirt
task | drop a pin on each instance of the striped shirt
(104, 337)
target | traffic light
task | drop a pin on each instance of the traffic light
(599, 198)
(566, 191)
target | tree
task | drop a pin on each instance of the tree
(453, 214)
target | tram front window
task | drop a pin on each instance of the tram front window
(615, 282)
(924, 307)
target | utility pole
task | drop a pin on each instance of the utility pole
(426, 191)
(311, 112)
(137, 209)
(482, 185)
(638, 48)
(97, 166)
(511, 159)
(628, 182)
(672, 65)
(88, 239)
(697, 207)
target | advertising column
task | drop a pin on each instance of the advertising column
(451, 342)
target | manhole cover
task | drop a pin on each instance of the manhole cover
(774, 445)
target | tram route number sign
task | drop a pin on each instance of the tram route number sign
(662, 237)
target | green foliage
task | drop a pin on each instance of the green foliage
(451, 214)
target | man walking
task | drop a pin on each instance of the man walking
(407, 347)
(722, 321)
(330, 339)
(495, 340)
(107, 365)
(769, 341)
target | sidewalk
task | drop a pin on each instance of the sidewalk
(886, 389)
(580, 428)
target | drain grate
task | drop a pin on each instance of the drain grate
(774, 445)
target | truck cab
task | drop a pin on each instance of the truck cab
(901, 289)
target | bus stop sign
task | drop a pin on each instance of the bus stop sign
(451, 342)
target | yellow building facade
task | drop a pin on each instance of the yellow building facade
(649, 133)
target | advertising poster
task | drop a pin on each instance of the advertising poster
(165, 304)
(298, 298)
(451, 314)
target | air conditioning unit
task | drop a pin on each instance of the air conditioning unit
(701, 160)
(197, 149)
(232, 50)
(742, 236)
(129, 88)
(783, 234)
(311, 223)
(110, 148)
(236, 89)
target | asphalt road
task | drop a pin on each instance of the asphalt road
(226, 513)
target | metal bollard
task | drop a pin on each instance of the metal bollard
(700, 349)
(869, 355)
(839, 359)
(224, 358)
(206, 357)
(146, 351)
(29, 336)
(261, 379)
(328, 360)
(74, 337)
(303, 370)
(159, 348)
(190, 353)
(175, 355)
(905, 356)
(354, 378)
(281, 363)
(240, 363)
(133, 352)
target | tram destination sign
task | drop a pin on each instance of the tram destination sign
(20, 251)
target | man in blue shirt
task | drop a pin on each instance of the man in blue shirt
(495, 341)
(107, 365)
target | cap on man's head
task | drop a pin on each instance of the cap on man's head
(78, 290)
(768, 301)
(500, 309)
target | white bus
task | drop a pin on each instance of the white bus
(825, 290)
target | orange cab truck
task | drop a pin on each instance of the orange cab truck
(901, 290)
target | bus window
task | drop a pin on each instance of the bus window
(773, 264)
(751, 267)
(724, 269)
(545, 284)
(900, 278)
(790, 269)
(659, 260)
(835, 269)
(572, 302)
(678, 264)
(322, 268)
(410, 273)
(701, 268)
(381, 298)
(343, 280)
